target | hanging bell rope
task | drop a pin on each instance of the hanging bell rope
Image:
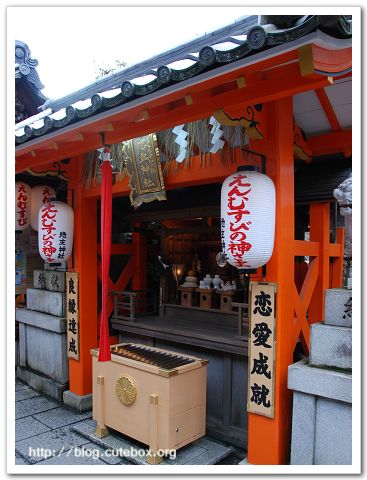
(106, 223)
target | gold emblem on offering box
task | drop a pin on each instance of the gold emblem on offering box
(126, 390)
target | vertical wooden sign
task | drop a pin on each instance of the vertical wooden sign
(261, 361)
(72, 315)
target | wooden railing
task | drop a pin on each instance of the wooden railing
(324, 271)
(126, 274)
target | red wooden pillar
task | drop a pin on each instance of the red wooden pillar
(85, 263)
(320, 232)
(269, 439)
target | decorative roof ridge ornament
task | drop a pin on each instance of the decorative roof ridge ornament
(25, 66)
(339, 26)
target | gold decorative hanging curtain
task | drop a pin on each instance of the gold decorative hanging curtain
(144, 169)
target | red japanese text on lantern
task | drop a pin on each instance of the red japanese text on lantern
(237, 197)
(22, 198)
(46, 195)
(48, 219)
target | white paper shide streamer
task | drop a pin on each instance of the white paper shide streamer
(217, 133)
(181, 142)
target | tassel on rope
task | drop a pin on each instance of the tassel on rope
(106, 223)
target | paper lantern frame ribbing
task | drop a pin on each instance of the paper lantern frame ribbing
(247, 218)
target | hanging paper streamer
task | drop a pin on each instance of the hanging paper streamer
(181, 142)
(100, 153)
(217, 132)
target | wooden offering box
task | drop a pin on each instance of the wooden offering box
(226, 297)
(206, 297)
(155, 396)
(187, 296)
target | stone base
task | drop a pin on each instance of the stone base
(322, 415)
(42, 344)
(41, 383)
(81, 403)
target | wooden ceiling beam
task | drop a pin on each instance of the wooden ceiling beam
(328, 109)
(329, 143)
(64, 150)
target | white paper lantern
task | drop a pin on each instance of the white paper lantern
(22, 205)
(39, 195)
(55, 231)
(247, 218)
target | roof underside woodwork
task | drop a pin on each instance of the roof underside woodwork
(277, 72)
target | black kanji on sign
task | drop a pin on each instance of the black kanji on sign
(262, 332)
(260, 366)
(263, 303)
(259, 395)
(72, 326)
(72, 346)
(71, 305)
(61, 253)
(54, 281)
(348, 308)
(71, 286)
(42, 280)
(62, 235)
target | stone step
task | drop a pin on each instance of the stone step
(330, 346)
(322, 382)
(46, 302)
(338, 307)
(49, 280)
(203, 451)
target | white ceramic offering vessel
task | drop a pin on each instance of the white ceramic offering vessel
(203, 286)
(208, 280)
(227, 286)
(217, 281)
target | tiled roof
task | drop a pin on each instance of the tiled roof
(232, 43)
(28, 85)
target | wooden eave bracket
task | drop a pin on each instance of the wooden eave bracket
(315, 61)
